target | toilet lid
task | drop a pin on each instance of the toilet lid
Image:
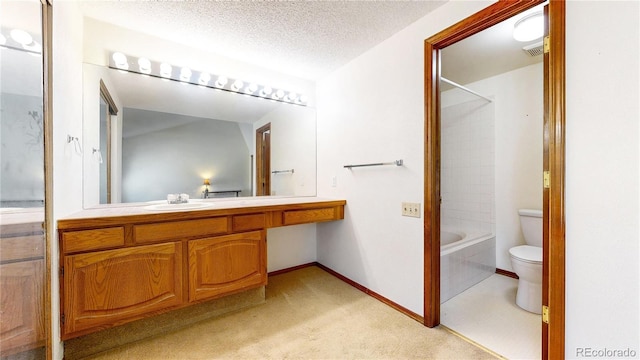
(528, 253)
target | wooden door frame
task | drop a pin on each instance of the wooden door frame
(553, 334)
(261, 170)
(112, 110)
(49, 227)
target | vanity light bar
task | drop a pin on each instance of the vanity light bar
(19, 39)
(144, 66)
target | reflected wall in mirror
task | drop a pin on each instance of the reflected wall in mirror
(170, 136)
(22, 187)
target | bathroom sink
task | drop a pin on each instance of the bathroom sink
(174, 207)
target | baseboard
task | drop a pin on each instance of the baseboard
(373, 294)
(293, 268)
(508, 273)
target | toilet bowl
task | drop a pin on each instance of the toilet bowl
(527, 262)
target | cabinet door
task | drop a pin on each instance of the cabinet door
(226, 264)
(21, 306)
(113, 287)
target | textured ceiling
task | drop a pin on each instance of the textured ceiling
(307, 39)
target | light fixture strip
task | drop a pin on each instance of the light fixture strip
(24, 43)
(144, 66)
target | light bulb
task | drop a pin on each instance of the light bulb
(529, 28)
(144, 65)
(278, 95)
(222, 81)
(204, 78)
(237, 85)
(21, 36)
(34, 46)
(291, 97)
(185, 74)
(120, 60)
(302, 99)
(253, 87)
(266, 91)
(165, 70)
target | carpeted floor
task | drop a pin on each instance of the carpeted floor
(309, 314)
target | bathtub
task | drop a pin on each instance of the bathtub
(466, 258)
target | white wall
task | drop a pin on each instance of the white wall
(602, 302)
(67, 120)
(519, 121)
(371, 110)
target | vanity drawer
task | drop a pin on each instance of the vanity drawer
(249, 222)
(84, 240)
(292, 217)
(21, 248)
(177, 230)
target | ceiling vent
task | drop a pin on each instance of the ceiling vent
(534, 49)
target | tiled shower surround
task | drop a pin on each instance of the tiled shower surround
(468, 167)
(468, 194)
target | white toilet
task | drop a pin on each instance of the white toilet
(527, 261)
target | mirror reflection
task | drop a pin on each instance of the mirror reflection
(22, 187)
(150, 137)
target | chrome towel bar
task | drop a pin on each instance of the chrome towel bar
(282, 171)
(396, 163)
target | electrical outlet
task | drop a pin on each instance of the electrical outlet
(411, 209)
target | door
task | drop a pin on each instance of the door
(263, 161)
(553, 206)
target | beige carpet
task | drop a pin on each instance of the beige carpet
(309, 314)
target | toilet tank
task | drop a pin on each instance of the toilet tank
(531, 225)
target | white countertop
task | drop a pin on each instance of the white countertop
(16, 216)
(151, 207)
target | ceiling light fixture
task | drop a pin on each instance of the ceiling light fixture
(530, 27)
(3, 40)
(165, 71)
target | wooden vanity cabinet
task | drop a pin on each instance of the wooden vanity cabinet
(223, 265)
(22, 271)
(22, 305)
(119, 269)
(107, 288)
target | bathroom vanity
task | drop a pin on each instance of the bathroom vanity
(120, 264)
(22, 268)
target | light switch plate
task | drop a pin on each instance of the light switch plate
(411, 209)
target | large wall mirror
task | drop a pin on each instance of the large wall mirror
(23, 289)
(146, 137)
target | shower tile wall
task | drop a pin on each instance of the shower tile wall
(468, 167)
